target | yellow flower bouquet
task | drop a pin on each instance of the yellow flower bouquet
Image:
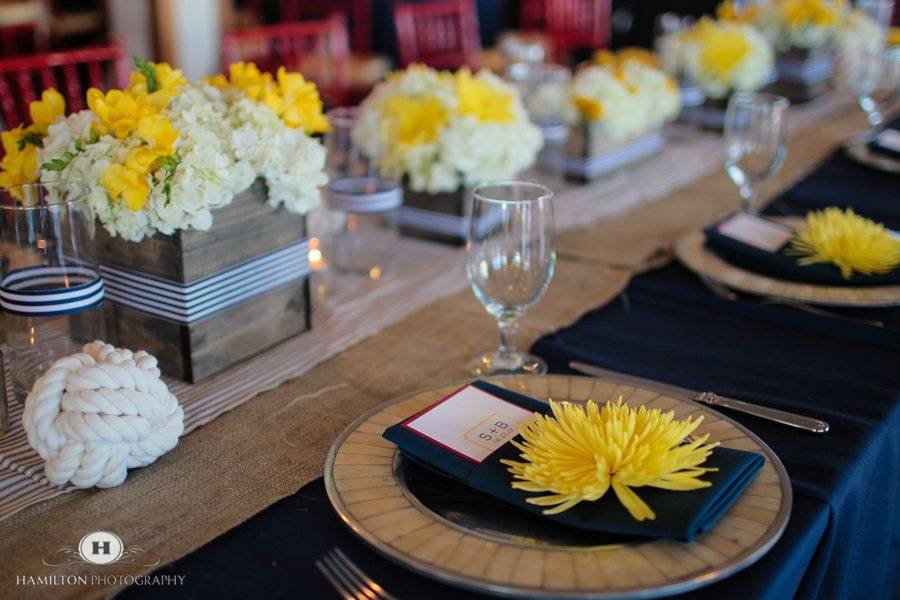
(161, 154)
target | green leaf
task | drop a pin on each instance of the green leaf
(146, 69)
(58, 164)
(95, 136)
(79, 144)
(32, 138)
(168, 164)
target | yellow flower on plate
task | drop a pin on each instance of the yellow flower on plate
(159, 82)
(590, 109)
(131, 186)
(852, 243)
(45, 111)
(580, 452)
(483, 100)
(18, 166)
(119, 112)
(414, 120)
(302, 107)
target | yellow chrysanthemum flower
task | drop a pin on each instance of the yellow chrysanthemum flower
(119, 112)
(852, 243)
(581, 452)
(590, 109)
(45, 111)
(486, 102)
(165, 83)
(121, 182)
(302, 105)
(19, 166)
(414, 120)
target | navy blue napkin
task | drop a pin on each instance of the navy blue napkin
(782, 265)
(679, 515)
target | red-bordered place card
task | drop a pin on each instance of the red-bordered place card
(469, 422)
(755, 231)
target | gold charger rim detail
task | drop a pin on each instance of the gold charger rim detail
(368, 494)
(691, 251)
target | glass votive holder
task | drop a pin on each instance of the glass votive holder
(367, 232)
(51, 290)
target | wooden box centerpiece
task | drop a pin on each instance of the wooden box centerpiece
(589, 154)
(202, 301)
(803, 75)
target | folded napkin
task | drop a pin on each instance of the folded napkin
(781, 265)
(887, 142)
(681, 515)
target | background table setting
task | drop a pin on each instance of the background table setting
(695, 288)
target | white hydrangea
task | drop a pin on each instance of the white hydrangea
(859, 33)
(467, 151)
(225, 142)
(771, 21)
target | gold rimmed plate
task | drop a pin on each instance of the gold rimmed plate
(693, 253)
(857, 148)
(444, 530)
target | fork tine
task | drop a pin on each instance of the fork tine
(364, 592)
(337, 585)
(357, 592)
(366, 580)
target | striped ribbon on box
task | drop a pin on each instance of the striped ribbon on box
(190, 302)
(46, 291)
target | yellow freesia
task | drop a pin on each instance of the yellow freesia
(45, 111)
(121, 182)
(852, 243)
(18, 166)
(615, 60)
(168, 82)
(414, 120)
(590, 109)
(119, 112)
(158, 132)
(255, 84)
(580, 452)
(722, 49)
(302, 106)
(484, 101)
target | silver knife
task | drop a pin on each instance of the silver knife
(763, 412)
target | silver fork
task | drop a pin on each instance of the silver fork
(348, 580)
(722, 291)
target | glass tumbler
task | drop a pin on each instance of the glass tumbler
(51, 290)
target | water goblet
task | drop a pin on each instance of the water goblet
(510, 264)
(755, 134)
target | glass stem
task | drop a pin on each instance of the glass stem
(748, 195)
(509, 326)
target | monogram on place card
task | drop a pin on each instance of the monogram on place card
(470, 422)
(890, 139)
(756, 231)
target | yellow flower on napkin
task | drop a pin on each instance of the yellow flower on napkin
(846, 240)
(581, 452)
(45, 111)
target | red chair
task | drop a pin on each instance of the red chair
(16, 40)
(358, 13)
(318, 49)
(570, 24)
(71, 72)
(442, 34)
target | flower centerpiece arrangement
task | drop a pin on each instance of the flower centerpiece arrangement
(440, 133)
(803, 33)
(161, 154)
(618, 104)
(725, 56)
(159, 160)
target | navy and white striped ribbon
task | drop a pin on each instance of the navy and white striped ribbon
(186, 303)
(446, 224)
(46, 291)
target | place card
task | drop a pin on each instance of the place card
(470, 422)
(756, 231)
(889, 139)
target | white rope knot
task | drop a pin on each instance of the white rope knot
(96, 414)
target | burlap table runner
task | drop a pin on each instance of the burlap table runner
(268, 448)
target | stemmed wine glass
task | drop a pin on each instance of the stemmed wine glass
(510, 264)
(755, 134)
